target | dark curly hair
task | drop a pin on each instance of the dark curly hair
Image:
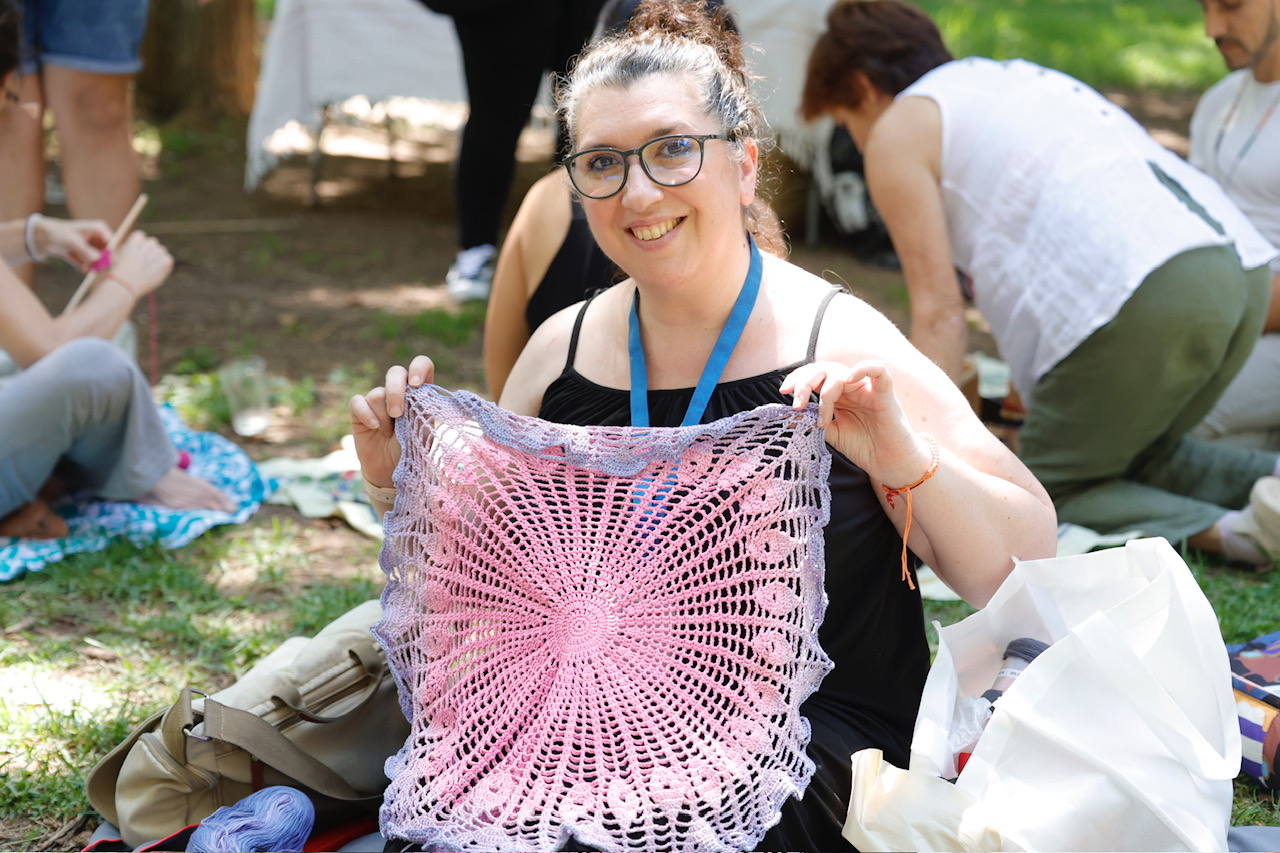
(893, 43)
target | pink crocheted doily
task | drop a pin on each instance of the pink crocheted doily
(604, 632)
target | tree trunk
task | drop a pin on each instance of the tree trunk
(199, 58)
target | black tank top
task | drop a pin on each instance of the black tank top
(874, 624)
(578, 270)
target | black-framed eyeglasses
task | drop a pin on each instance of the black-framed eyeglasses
(668, 160)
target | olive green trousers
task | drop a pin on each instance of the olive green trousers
(1107, 428)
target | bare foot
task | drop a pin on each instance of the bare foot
(179, 490)
(34, 520)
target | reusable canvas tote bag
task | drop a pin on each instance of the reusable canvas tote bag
(319, 714)
(1121, 736)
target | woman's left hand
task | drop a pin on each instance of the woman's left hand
(862, 417)
(79, 241)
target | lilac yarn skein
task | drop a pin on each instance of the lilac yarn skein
(276, 819)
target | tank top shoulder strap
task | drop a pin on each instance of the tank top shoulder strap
(577, 330)
(817, 324)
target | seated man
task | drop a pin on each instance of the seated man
(1235, 134)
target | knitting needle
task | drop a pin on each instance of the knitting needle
(116, 239)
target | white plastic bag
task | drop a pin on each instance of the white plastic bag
(1121, 736)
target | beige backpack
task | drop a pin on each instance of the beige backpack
(317, 714)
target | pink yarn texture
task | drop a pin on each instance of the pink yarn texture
(603, 632)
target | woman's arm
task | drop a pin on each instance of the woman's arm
(78, 241)
(28, 332)
(531, 244)
(903, 171)
(981, 507)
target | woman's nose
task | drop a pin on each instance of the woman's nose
(640, 191)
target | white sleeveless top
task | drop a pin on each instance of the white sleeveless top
(1053, 208)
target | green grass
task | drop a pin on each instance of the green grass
(1126, 43)
(106, 639)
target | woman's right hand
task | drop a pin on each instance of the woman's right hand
(373, 419)
(142, 264)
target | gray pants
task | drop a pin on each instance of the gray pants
(87, 406)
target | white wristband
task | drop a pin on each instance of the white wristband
(28, 238)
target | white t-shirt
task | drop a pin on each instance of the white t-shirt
(1237, 109)
(1054, 209)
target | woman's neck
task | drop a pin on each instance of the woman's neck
(700, 302)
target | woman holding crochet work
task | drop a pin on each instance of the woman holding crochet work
(666, 142)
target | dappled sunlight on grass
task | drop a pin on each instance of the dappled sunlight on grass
(95, 644)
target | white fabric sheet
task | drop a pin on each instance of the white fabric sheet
(322, 52)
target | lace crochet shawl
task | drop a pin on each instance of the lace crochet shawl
(601, 631)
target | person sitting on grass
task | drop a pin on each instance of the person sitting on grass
(79, 404)
(1122, 286)
(666, 144)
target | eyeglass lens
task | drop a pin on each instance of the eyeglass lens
(668, 160)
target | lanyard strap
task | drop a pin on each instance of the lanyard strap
(716, 362)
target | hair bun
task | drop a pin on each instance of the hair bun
(708, 22)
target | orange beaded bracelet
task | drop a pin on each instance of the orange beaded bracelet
(889, 492)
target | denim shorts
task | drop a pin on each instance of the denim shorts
(101, 36)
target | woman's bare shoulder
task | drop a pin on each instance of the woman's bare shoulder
(544, 357)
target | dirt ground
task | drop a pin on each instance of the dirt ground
(324, 291)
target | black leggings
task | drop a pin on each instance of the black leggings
(504, 52)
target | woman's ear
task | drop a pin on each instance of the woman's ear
(749, 171)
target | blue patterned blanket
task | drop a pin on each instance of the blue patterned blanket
(95, 523)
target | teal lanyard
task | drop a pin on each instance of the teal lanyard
(716, 362)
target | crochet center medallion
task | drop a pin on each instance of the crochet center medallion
(604, 632)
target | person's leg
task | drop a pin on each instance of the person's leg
(1098, 416)
(93, 114)
(22, 140)
(86, 403)
(89, 54)
(1178, 462)
(1248, 412)
(500, 93)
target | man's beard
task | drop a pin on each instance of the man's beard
(1269, 40)
(1265, 46)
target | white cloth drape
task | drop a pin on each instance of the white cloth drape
(322, 52)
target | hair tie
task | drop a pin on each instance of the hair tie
(103, 262)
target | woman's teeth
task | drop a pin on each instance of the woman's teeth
(653, 232)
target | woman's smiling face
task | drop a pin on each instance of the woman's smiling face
(666, 235)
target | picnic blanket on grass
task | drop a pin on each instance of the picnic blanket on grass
(94, 523)
(330, 486)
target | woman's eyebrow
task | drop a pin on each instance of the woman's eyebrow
(665, 130)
